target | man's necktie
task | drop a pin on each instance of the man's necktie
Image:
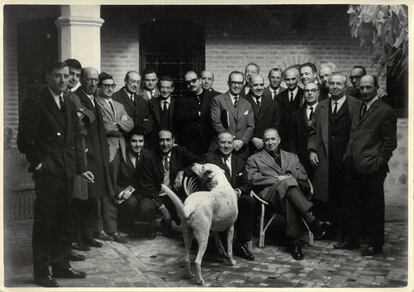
(137, 159)
(258, 101)
(311, 113)
(164, 106)
(273, 93)
(61, 103)
(112, 106)
(335, 110)
(236, 101)
(151, 94)
(364, 110)
(166, 163)
(291, 96)
(132, 97)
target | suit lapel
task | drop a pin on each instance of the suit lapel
(105, 106)
(269, 161)
(53, 108)
(370, 111)
(230, 105)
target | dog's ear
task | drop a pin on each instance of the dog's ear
(208, 174)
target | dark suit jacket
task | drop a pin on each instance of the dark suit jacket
(238, 178)
(373, 138)
(212, 92)
(98, 149)
(146, 95)
(137, 110)
(267, 92)
(267, 116)
(286, 108)
(152, 175)
(298, 138)
(193, 129)
(48, 136)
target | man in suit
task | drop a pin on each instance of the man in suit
(355, 77)
(372, 140)
(301, 118)
(328, 138)
(150, 89)
(207, 80)
(250, 70)
(162, 110)
(275, 79)
(116, 123)
(133, 203)
(75, 69)
(97, 160)
(233, 113)
(135, 105)
(288, 101)
(166, 165)
(266, 112)
(49, 136)
(325, 72)
(234, 168)
(308, 73)
(192, 116)
(278, 178)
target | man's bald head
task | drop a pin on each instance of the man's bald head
(89, 80)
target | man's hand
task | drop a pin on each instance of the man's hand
(124, 195)
(381, 92)
(238, 144)
(39, 166)
(257, 142)
(88, 175)
(313, 157)
(179, 180)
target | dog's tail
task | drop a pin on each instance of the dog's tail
(176, 200)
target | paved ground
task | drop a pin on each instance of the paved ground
(160, 263)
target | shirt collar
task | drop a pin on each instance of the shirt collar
(313, 105)
(55, 96)
(339, 101)
(369, 103)
(295, 91)
(168, 100)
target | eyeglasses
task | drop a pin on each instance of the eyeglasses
(314, 90)
(109, 85)
(191, 81)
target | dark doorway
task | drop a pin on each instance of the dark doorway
(37, 46)
(172, 47)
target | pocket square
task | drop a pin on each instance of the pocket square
(246, 113)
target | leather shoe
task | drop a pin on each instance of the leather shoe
(320, 228)
(75, 257)
(69, 273)
(103, 236)
(346, 244)
(296, 252)
(47, 281)
(371, 250)
(118, 238)
(80, 246)
(92, 242)
(243, 251)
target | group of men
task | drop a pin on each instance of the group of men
(99, 157)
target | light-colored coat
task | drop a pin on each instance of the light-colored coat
(121, 117)
(319, 142)
(262, 171)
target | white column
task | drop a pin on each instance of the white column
(79, 34)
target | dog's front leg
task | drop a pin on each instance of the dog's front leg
(230, 234)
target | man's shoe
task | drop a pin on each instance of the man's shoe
(103, 236)
(320, 228)
(296, 252)
(371, 250)
(47, 281)
(80, 246)
(346, 244)
(92, 242)
(69, 273)
(75, 257)
(118, 238)
(243, 251)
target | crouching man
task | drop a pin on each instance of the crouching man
(280, 179)
(234, 168)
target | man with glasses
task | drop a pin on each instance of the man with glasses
(301, 118)
(355, 77)
(117, 123)
(150, 89)
(192, 118)
(97, 159)
(233, 113)
(328, 139)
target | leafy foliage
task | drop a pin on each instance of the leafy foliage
(383, 30)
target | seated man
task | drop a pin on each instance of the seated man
(236, 175)
(278, 178)
(128, 187)
(167, 166)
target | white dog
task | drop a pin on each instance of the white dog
(214, 210)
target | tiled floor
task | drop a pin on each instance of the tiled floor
(160, 263)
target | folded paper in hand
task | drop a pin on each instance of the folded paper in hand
(128, 190)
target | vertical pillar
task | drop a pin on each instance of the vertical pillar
(79, 34)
